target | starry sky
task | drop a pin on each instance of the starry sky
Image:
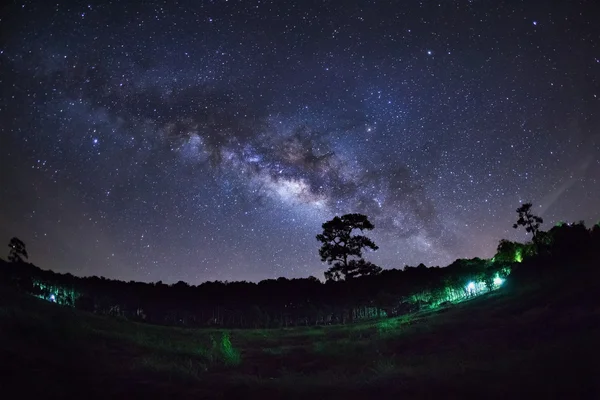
(209, 140)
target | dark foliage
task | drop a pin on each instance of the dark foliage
(270, 303)
(564, 249)
(344, 250)
(17, 250)
(528, 220)
(352, 269)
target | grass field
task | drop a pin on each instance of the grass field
(536, 343)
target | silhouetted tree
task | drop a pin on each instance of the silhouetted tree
(17, 250)
(506, 251)
(570, 243)
(566, 249)
(340, 246)
(353, 269)
(509, 252)
(528, 220)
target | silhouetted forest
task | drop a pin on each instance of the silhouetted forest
(296, 302)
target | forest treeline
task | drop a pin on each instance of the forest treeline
(308, 301)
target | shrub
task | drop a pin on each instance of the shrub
(224, 352)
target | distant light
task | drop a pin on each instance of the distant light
(95, 141)
(53, 298)
(498, 281)
(471, 286)
(534, 22)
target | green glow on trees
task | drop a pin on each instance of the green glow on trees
(476, 288)
(65, 296)
(471, 288)
(498, 281)
(519, 255)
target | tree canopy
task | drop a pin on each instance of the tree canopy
(528, 220)
(17, 250)
(343, 250)
(348, 295)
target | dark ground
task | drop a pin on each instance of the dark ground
(541, 341)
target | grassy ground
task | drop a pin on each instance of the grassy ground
(540, 343)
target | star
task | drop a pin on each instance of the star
(226, 144)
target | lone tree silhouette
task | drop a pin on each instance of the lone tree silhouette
(528, 220)
(17, 250)
(344, 250)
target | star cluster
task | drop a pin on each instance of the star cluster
(210, 140)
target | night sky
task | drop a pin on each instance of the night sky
(210, 141)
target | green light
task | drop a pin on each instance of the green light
(498, 281)
(519, 255)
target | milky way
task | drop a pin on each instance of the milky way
(203, 142)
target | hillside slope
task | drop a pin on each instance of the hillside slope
(540, 342)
